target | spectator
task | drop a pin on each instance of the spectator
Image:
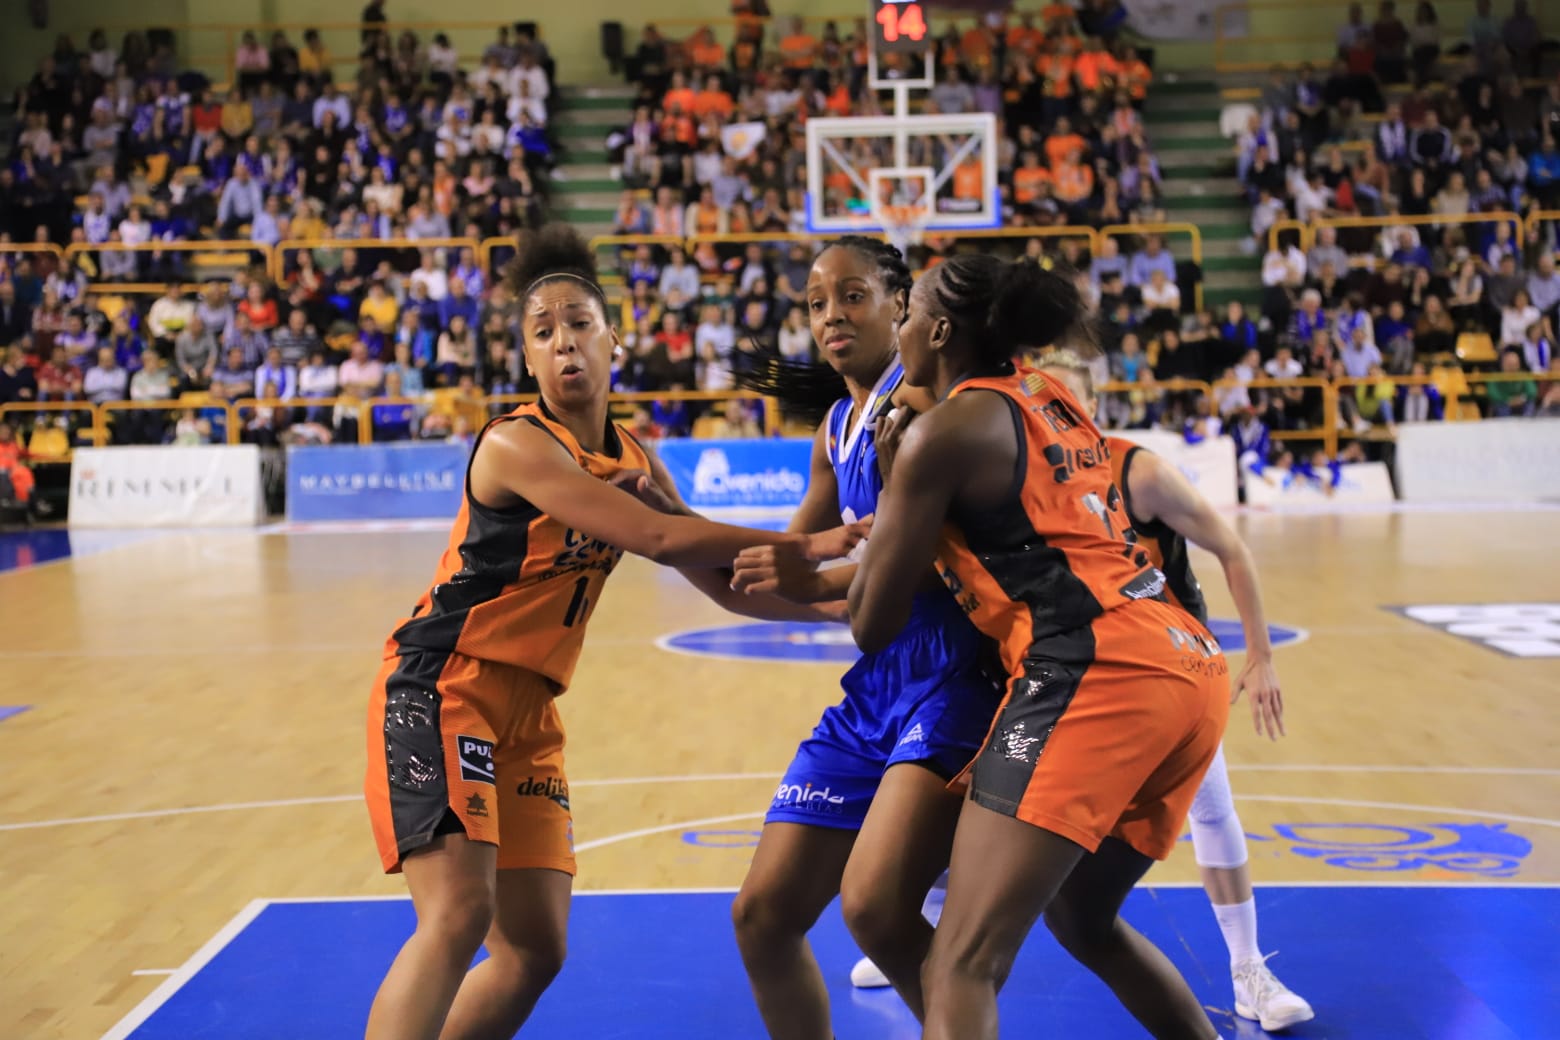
(106, 381)
(1420, 401)
(1515, 320)
(1152, 257)
(1538, 349)
(456, 354)
(276, 375)
(18, 382)
(58, 379)
(1359, 355)
(169, 316)
(234, 378)
(1516, 395)
(151, 383)
(297, 340)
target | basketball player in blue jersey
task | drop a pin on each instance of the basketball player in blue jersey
(863, 812)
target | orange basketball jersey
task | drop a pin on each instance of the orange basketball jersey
(1059, 552)
(1166, 549)
(516, 586)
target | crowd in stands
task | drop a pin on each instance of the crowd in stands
(1067, 92)
(1408, 122)
(122, 146)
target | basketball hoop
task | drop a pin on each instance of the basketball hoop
(900, 202)
(904, 225)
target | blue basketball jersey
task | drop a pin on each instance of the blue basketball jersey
(924, 699)
(853, 451)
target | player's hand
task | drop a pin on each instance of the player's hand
(836, 544)
(887, 436)
(775, 570)
(643, 487)
(1260, 681)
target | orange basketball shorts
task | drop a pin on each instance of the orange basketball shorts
(1109, 730)
(456, 745)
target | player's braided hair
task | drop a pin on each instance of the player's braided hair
(807, 390)
(1004, 308)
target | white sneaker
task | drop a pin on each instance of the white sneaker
(1260, 996)
(865, 975)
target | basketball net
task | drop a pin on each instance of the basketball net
(903, 223)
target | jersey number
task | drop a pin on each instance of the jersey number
(577, 603)
(1102, 508)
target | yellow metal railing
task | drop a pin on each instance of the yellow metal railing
(1328, 433)
(99, 425)
(1308, 231)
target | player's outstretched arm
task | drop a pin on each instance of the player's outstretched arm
(658, 489)
(517, 461)
(1159, 492)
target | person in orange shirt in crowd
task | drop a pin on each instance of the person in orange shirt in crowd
(969, 179)
(1058, 16)
(11, 455)
(1027, 182)
(1025, 38)
(1134, 75)
(680, 95)
(978, 45)
(1095, 68)
(1074, 186)
(1055, 69)
(713, 100)
(705, 51)
(799, 50)
(1061, 142)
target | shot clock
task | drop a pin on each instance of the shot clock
(900, 26)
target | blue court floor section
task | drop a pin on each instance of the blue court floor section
(1383, 963)
(28, 548)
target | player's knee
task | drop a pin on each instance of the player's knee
(459, 922)
(980, 958)
(537, 959)
(1082, 934)
(875, 916)
(759, 914)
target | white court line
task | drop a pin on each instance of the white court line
(154, 971)
(186, 971)
(329, 799)
(693, 778)
(645, 832)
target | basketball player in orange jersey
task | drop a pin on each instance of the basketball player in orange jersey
(1116, 699)
(1167, 512)
(465, 782)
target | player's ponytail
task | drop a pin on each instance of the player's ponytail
(1033, 307)
(806, 390)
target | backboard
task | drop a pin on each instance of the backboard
(858, 165)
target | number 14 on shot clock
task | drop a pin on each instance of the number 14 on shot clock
(900, 26)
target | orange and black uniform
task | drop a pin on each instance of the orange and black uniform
(1116, 699)
(1166, 549)
(463, 734)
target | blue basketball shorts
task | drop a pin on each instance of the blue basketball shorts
(925, 699)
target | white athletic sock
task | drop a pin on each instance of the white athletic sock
(1238, 922)
(932, 908)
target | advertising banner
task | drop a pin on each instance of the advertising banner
(375, 481)
(160, 486)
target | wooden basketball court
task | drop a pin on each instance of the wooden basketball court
(193, 739)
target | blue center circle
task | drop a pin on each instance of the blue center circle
(822, 643)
